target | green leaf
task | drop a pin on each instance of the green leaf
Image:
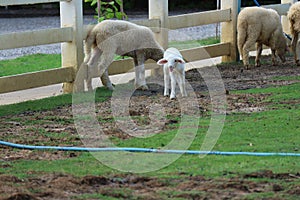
(109, 10)
(120, 15)
(93, 3)
(115, 8)
(100, 19)
(110, 15)
(119, 2)
(111, 3)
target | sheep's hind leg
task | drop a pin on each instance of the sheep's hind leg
(140, 80)
(105, 60)
(251, 40)
(274, 62)
(293, 45)
(91, 63)
(106, 81)
(258, 54)
(245, 54)
(297, 49)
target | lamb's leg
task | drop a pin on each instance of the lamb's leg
(91, 63)
(181, 83)
(166, 81)
(105, 60)
(173, 85)
(258, 54)
(140, 80)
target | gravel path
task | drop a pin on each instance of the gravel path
(9, 25)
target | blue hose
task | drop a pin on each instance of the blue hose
(142, 150)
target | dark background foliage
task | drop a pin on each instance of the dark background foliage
(188, 4)
(50, 9)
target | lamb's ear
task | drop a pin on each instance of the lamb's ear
(180, 60)
(162, 61)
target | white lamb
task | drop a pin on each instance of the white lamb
(112, 37)
(261, 26)
(174, 70)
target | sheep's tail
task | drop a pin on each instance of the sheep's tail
(89, 43)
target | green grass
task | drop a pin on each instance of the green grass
(29, 63)
(286, 94)
(193, 43)
(275, 130)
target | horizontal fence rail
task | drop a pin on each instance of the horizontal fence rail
(151, 23)
(36, 79)
(206, 52)
(33, 38)
(26, 2)
(198, 19)
(282, 9)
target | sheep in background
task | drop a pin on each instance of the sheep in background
(261, 26)
(174, 70)
(294, 19)
(112, 37)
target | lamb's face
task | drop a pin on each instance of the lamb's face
(171, 63)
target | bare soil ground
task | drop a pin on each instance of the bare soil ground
(46, 128)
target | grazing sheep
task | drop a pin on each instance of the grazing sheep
(174, 70)
(294, 18)
(261, 26)
(112, 37)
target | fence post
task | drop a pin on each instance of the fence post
(71, 15)
(228, 30)
(158, 9)
(284, 20)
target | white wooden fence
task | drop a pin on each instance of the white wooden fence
(72, 32)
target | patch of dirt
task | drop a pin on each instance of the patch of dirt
(62, 186)
(56, 127)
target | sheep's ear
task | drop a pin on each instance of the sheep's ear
(180, 61)
(162, 61)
